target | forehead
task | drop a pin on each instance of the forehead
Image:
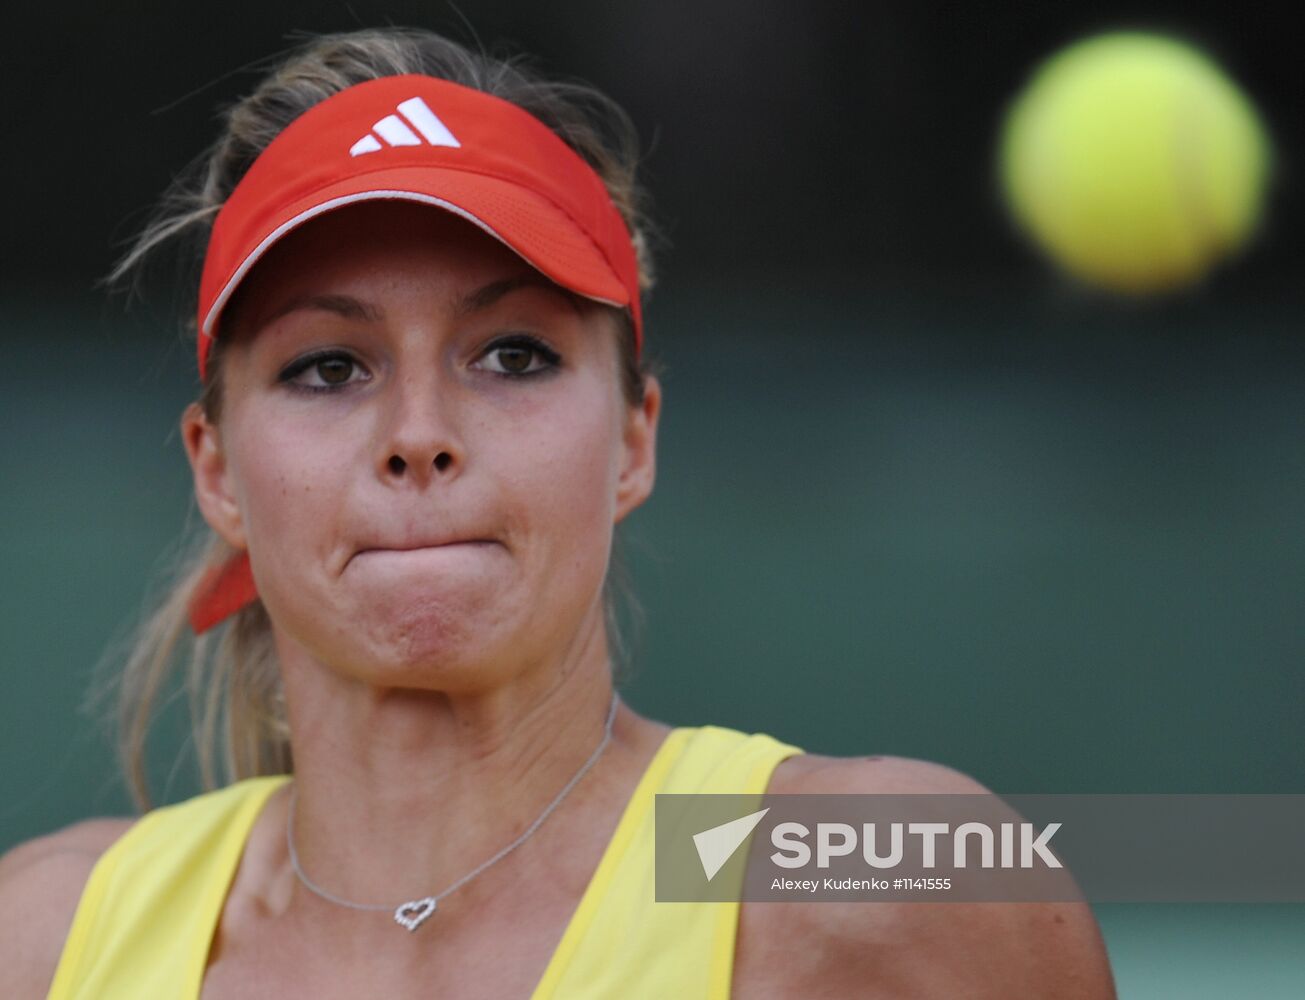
(385, 248)
(391, 230)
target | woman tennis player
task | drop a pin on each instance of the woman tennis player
(425, 406)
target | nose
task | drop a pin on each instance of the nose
(421, 441)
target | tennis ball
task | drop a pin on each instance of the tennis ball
(1134, 162)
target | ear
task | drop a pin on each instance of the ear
(639, 452)
(208, 466)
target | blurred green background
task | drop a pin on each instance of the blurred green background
(916, 495)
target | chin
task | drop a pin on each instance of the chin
(427, 648)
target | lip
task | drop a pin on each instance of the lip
(426, 545)
(423, 546)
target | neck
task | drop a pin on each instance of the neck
(401, 792)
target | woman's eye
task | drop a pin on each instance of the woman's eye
(322, 372)
(520, 356)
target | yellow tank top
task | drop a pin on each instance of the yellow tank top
(149, 911)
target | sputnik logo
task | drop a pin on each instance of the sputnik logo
(717, 845)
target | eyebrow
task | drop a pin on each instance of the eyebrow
(345, 306)
(487, 295)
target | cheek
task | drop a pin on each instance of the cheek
(287, 479)
(563, 475)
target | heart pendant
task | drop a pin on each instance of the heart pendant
(411, 914)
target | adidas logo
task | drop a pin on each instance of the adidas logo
(395, 131)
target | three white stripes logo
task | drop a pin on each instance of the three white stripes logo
(394, 130)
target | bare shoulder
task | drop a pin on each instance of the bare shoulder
(908, 950)
(810, 774)
(41, 881)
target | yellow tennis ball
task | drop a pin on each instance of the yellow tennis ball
(1134, 162)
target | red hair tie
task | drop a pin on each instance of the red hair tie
(223, 591)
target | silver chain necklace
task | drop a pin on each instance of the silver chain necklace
(415, 911)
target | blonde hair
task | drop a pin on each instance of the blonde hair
(232, 680)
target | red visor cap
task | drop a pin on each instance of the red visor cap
(429, 141)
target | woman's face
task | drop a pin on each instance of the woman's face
(424, 447)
